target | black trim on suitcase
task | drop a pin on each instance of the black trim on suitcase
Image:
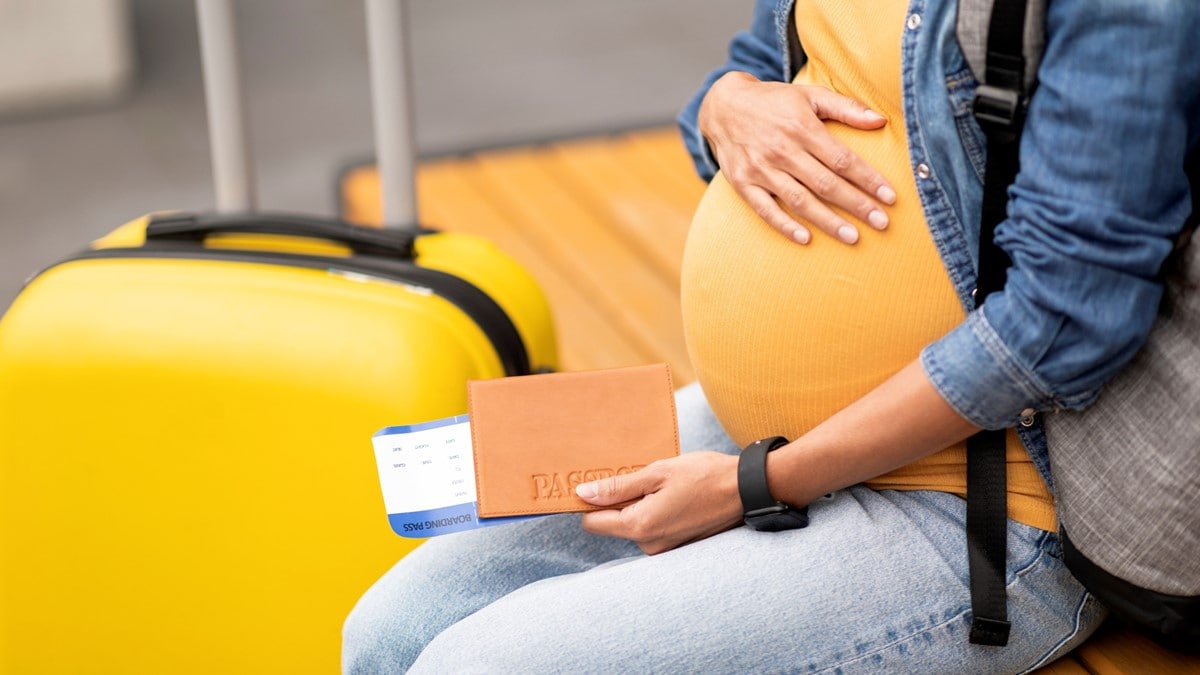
(473, 301)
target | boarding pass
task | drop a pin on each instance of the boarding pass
(427, 472)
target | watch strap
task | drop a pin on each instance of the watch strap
(752, 474)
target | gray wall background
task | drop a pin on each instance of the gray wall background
(486, 73)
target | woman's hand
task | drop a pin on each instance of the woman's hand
(675, 501)
(771, 143)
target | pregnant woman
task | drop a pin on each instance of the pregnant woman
(826, 302)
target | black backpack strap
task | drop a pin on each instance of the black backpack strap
(999, 106)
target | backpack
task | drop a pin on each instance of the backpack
(1126, 470)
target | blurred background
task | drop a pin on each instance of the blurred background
(102, 114)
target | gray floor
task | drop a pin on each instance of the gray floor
(487, 73)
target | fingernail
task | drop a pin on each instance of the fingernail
(847, 234)
(873, 115)
(586, 490)
(801, 235)
(886, 195)
(878, 219)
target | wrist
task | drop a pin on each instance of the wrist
(711, 104)
(760, 509)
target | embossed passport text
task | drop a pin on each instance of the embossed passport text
(536, 437)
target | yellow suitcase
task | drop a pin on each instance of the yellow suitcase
(187, 483)
(186, 475)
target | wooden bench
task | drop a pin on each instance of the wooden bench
(601, 222)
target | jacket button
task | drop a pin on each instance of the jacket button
(1027, 416)
(923, 171)
(914, 21)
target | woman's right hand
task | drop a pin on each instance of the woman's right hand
(770, 141)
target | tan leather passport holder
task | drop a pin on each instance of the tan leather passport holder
(536, 437)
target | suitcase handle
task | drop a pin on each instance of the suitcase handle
(361, 240)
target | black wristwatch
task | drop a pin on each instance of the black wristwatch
(759, 509)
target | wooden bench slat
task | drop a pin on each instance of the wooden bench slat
(587, 339)
(660, 155)
(1125, 652)
(604, 177)
(584, 245)
(1064, 666)
(359, 197)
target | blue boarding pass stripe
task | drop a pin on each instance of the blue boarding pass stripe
(444, 520)
(410, 428)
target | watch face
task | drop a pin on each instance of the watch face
(777, 518)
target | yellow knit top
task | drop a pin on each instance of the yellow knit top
(783, 335)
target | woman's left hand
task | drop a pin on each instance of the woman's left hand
(674, 501)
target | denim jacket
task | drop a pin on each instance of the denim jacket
(1097, 205)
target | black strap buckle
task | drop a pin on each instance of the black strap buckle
(989, 632)
(998, 108)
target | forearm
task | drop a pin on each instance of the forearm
(900, 421)
(660, 508)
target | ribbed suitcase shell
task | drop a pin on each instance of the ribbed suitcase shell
(186, 475)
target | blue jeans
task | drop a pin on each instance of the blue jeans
(877, 583)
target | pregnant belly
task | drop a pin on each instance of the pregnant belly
(782, 335)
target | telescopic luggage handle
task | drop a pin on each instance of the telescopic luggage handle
(233, 176)
(391, 110)
(229, 145)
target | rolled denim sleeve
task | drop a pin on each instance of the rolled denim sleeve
(1092, 215)
(756, 51)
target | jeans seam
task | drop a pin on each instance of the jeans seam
(906, 639)
(1033, 562)
(1047, 657)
